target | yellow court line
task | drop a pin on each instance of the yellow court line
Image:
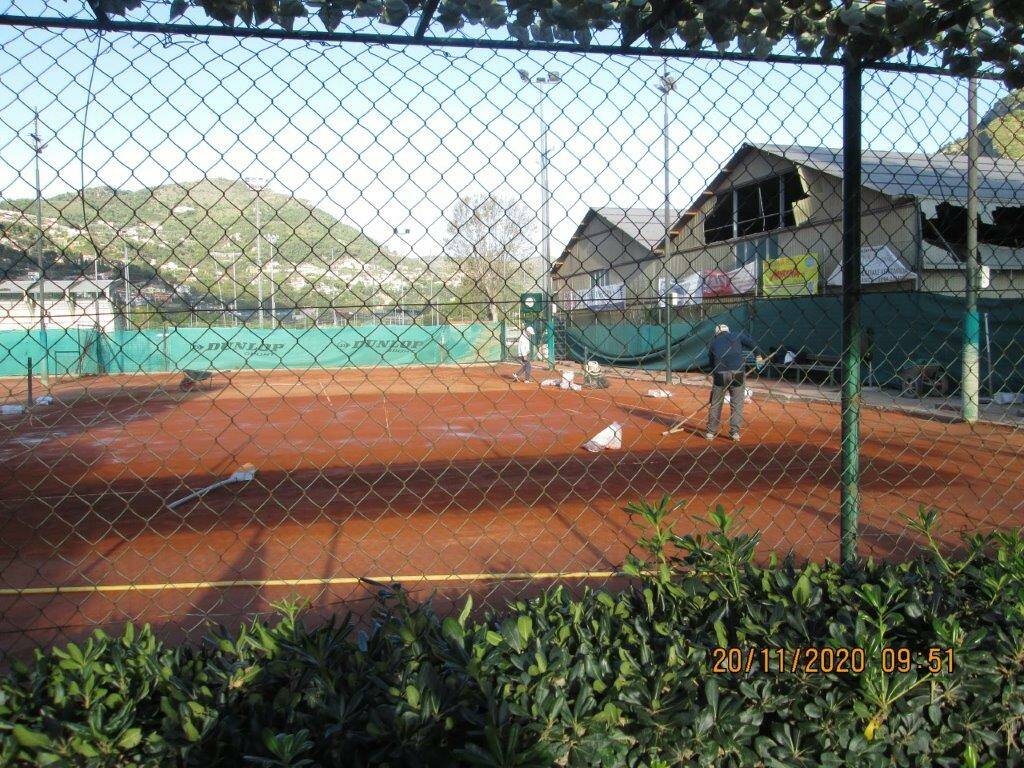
(335, 581)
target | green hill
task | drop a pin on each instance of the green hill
(199, 234)
(1001, 130)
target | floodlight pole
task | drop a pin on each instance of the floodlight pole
(271, 241)
(256, 185)
(970, 376)
(127, 285)
(551, 79)
(44, 371)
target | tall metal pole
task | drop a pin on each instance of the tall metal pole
(234, 287)
(850, 403)
(273, 284)
(96, 289)
(971, 374)
(44, 371)
(546, 223)
(127, 287)
(667, 86)
(259, 259)
(550, 79)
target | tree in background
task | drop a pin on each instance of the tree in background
(491, 251)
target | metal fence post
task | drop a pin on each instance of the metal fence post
(668, 339)
(850, 403)
(972, 321)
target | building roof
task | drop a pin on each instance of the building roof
(902, 174)
(78, 285)
(899, 174)
(645, 226)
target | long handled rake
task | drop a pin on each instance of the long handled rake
(243, 474)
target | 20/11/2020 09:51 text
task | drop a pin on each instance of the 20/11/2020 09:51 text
(827, 660)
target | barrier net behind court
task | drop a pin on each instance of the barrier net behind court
(314, 270)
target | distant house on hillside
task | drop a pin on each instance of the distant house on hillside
(772, 202)
(81, 303)
(600, 267)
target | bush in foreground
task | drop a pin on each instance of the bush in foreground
(603, 680)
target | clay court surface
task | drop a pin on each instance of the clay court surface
(457, 474)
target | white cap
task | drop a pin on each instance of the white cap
(722, 328)
(530, 330)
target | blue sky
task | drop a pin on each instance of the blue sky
(389, 137)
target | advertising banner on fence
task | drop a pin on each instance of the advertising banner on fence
(681, 293)
(878, 264)
(717, 283)
(736, 281)
(790, 276)
(606, 297)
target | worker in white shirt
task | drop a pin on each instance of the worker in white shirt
(524, 349)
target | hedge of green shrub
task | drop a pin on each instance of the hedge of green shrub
(600, 680)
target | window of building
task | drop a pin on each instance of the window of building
(759, 249)
(949, 226)
(600, 278)
(763, 206)
(718, 225)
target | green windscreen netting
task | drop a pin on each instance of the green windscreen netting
(905, 329)
(226, 348)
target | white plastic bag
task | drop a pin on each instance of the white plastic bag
(550, 383)
(609, 438)
(658, 393)
(44, 400)
(11, 410)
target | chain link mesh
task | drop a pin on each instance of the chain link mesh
(304, 273)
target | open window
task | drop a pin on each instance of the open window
(948, 226)
(752, 209)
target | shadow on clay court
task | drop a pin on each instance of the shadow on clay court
(695, 426)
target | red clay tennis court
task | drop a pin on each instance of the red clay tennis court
(448, 478)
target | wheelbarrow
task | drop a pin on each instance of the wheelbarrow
(193, 379)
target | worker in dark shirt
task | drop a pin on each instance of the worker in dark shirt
(726, 357)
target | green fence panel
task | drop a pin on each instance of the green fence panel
(229, 348)
(907, 328)
(643, 346)
(70, 351)
(235, 348)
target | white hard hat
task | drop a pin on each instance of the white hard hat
(721, 328)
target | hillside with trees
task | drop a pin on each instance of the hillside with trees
(203, 236)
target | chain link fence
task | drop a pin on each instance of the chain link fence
(269, 310)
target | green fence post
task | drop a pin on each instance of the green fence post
(550, 332)
(971, 368)
(668, 340)
(850, 403)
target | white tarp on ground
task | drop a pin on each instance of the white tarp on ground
(609, 438)
(878, 264)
